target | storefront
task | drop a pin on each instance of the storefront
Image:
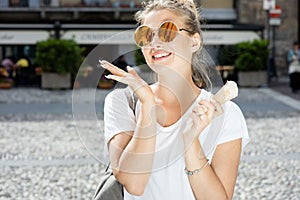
(107, 41)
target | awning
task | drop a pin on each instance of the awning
(100, 37)
(22, 37)
(115, 37)
(228, 37)
(126, 37)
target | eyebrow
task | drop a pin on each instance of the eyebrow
(164, 20)
(167, 19)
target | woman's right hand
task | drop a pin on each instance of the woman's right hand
(131, 78)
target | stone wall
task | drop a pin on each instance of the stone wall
(251, 11)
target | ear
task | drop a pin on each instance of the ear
(196, 42)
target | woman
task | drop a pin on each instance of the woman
(156, 150)
(294, 67)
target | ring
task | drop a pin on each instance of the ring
(199, 113)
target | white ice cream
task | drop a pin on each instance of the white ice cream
(227, 92)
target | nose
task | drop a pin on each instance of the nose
(156, 42)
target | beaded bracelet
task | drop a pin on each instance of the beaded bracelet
(191, 173)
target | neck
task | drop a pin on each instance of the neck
(176, 87)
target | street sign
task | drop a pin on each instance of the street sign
(275, 16)
(275, 21)
(269, 4)
(276, 12)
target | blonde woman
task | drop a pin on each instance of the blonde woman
(156, 150)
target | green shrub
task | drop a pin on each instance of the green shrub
(252, 56)
(59, 56)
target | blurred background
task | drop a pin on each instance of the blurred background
(49, 50)
(90, 22)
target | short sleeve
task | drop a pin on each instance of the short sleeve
(118, 116)
(234, 126)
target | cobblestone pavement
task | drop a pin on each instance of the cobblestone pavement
(43, 157)
(282, 85)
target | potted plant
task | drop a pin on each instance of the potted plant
(59, 60)
(251, 63)
(5, 81)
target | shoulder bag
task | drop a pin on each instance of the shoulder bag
(109, 187)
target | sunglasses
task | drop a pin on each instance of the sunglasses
(167, 32)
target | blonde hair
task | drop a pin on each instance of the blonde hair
(188, 10)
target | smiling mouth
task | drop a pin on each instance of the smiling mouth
(161, 56)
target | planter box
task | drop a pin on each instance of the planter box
(252, 79)
(6, 85)
(56, 81)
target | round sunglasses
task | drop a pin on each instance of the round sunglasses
(167, 32)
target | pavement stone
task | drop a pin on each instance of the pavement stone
(42, 156)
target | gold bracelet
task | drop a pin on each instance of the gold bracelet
(191, 173)
(203, 157)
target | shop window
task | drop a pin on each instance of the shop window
(18, 3)
(70, 3)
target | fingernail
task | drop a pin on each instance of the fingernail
(108, 76)
(101, 65)
(205, 109)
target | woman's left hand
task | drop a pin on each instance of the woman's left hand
(200, 118)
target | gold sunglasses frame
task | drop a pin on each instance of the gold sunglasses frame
(153, 32)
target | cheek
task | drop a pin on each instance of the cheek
(144, 51)
(183, 51)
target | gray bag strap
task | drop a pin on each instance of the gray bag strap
(109, 187)
(131, 97)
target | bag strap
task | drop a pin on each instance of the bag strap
(107, 167)
(132, 98)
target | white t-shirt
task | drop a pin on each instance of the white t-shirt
(168, 179)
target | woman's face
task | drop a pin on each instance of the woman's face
(175, 55)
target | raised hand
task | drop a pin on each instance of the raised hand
(130, 78)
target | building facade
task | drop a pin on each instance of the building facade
(251, 11)
(110, 24)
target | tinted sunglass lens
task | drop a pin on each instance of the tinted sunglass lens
(143, 36)
(167, 32)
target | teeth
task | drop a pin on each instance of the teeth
(161, 55)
